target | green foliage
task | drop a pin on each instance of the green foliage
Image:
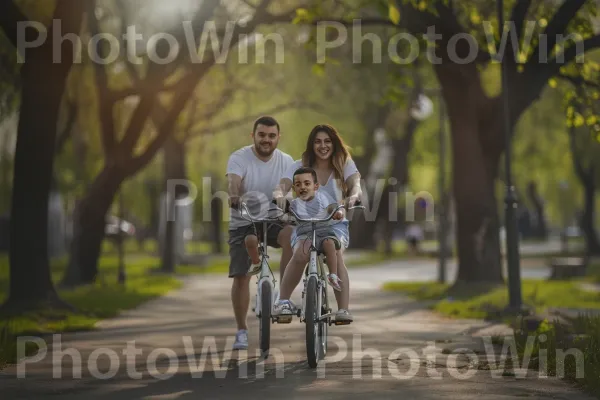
(569, 352)
(467, 301)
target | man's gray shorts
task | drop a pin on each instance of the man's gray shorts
(239, 262)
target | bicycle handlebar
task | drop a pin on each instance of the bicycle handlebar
(252, 218)
(288, 209)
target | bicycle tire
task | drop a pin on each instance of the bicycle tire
(312, 325)
(323, 325)
(265, 318)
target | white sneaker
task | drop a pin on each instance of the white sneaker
(283, 308)
(241, 340)
(254, 269)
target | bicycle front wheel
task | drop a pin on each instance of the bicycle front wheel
(313, 314)
(265, 318)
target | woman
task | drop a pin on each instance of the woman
(339, 179)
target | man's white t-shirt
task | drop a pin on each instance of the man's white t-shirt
(332, 189)
(259, 180)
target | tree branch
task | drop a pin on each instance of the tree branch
(519, 12)
(105, 97)
(10, 16)
(574, 51)
(578, 81)
(65, 133)
(155, 80)
(558, 24)
(247, 119)
(168, 124)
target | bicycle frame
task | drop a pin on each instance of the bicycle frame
(265, 273)
(315, 267)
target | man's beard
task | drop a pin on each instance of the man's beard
(262, 152)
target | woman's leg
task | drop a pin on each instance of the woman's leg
(343, 297)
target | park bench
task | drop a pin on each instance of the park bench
(568, 267)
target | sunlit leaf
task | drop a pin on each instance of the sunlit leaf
(394, 12)
(318, 69)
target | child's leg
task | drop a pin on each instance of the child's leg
(294, 270)
(330, 255)
(251, 243)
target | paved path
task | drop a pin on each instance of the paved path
(199, 315)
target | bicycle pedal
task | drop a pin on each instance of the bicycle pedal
(340, 323)
(284, 319)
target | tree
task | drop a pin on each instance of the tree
(168, 86)
(584, 139)
(42, 85)
(476, 116)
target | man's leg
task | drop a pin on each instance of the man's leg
(251, 243)
(284, 239)
(240, 288)
(240, 298)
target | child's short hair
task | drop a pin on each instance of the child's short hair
(306, 170)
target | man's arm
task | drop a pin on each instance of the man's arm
(234, 187)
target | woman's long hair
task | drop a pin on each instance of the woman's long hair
(339, 156)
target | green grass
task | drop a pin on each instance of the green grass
(580, 341)
(489, 302)
(105, 299)
(593, 272)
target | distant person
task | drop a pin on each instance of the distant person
(414, 237)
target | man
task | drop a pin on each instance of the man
(253, 172)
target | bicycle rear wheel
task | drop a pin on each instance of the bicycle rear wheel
(266, 306)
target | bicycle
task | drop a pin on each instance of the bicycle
(315, 311)
(266, 282)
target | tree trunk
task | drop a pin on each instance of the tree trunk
(89, 223)
(540, 228)
(174, 169)
(474, 118)
(588, 216)
(43, 83)
(400, 173)
(363, 226)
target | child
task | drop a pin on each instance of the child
(310, 203)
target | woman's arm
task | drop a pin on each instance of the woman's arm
(354, 189)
